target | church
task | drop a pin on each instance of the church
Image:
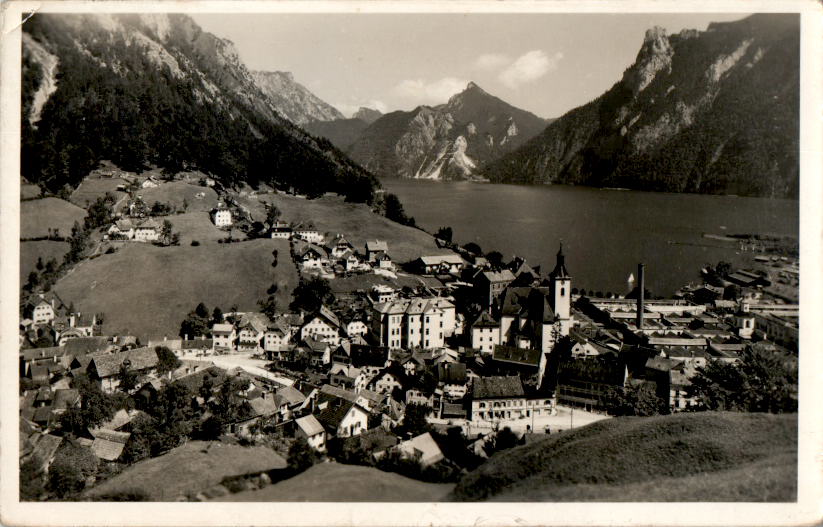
(532, 317)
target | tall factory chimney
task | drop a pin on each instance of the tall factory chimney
(641, 292)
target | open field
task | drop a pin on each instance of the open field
(196, 226)
(176, 191)
(39, 215)
(147, 291)
(358, 223)
(96, 187)
(29, 190)
(682, 457)
(30, 251)
(187, 470)
(334, 482)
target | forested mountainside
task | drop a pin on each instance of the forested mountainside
(713, 112)
(292, 99)
(341, 132)
(156, 89)
(444, 142)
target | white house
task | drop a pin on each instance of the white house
(223, 336)
(446, 263)
(310, 429)
(343, 418)
(312, 256)
(221, 216)
(281, 232)
(485, 333)
(147, 231)
(308, 234)
(252, 328)
(323, 325)
(340, 247)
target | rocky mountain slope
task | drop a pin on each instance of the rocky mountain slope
(292, 99)
(369, 115)
(445, 142)
(146, 90)
(707, 112)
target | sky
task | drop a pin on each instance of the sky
(547, 64)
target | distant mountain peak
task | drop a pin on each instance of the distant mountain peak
(368, 115)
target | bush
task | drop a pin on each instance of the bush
(195, 243)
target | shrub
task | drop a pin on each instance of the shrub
(195, 243)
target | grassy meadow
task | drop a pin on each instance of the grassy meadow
(176, 192)
(330, 214)
(39, 215)
(146, 291)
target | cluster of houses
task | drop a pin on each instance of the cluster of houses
(523, 344)
(338, 256)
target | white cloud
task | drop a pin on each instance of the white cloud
(491, 61)
(434, 92)
(529, 67)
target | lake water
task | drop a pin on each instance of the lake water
(605, 233)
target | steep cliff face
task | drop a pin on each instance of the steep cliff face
(292, 99)
(446, 142)
(708, 112)
(146, 90)
(367, 115)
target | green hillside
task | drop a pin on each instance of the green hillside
(39, 215)
(683, 457)
(146, 291)
(334, 482)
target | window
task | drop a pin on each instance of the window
(562, 291)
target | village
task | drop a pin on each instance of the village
(470, 354)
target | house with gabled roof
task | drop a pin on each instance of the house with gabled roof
(323, 325)
(147, 230)
(122, 229)
(452, 380)
(418, 322)
(339, 247)
(489, 285)
(422, 448)
(375, 248)
(311, 256)
(251, 330)
(342, 418)
(485, 333)
(42, 308)
(497, 398)
(310, 429)
(221, 215)
(444, 263)
(224, 336)
(106, 367)
(389, 379)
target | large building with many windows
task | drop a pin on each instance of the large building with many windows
(418, 322)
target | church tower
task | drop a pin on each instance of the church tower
(560, 292)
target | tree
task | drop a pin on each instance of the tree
(127, 377)
(395, 212)
(414, 420)
(444, 233)
(301, 456)
(640, 400)
(312, 294)
(33, 281)
(272, 215)
(165, 232)
(268, 306)
(95, 407)
(166, 360)
(72, 464)
(502, 440)
(761, 382)
(473, 248)
(495, 258)
(39, 264)
(217, 316)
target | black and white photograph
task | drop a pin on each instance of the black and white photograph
(356, 254)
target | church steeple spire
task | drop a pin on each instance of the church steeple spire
(559, 270)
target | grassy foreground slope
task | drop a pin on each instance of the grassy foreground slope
(336, 482)
(187, 470)
(146, 291)
(683, 457)
(358, 223)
